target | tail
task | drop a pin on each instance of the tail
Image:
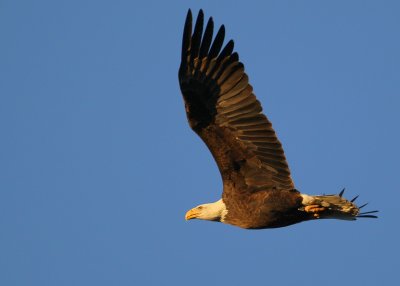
(335, 207)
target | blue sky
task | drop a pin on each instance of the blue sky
(98, 164)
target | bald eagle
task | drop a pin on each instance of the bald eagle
(258, 191)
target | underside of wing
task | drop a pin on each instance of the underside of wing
(222, 109)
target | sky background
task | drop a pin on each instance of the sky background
(98, 164)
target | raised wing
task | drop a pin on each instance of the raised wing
(222, 109)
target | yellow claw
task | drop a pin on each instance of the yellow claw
(315, 210)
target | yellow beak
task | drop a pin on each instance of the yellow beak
(191, 214)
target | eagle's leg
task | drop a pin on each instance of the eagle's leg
(315, 210)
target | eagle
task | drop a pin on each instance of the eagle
(258, 190)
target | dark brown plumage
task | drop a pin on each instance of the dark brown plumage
(258, 191)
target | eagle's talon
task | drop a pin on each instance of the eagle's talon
(315, 210)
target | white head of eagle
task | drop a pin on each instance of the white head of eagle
(213, 211)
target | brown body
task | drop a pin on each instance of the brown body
(264, 209)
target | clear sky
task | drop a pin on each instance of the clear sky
(98, 164)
